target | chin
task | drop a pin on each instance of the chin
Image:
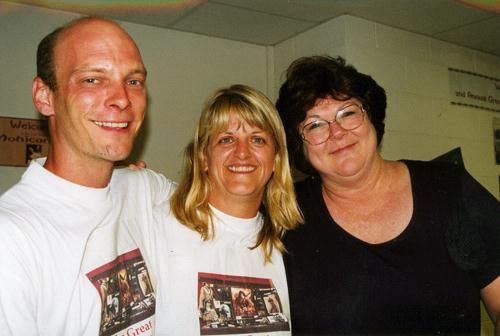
(240, 192)
(116, 155)
(244, 192)
(348, 169)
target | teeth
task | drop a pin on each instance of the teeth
(241, 169)
(111, 124)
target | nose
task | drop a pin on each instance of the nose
(336, 131)
(242, 150)
(118, 96)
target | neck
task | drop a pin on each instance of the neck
(240, 209)
(93, 174)
(360, 186)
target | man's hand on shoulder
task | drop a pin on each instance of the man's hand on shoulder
(138, 165)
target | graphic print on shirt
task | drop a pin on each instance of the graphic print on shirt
(238, 305)
(128, 299)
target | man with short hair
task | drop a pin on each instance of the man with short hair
(72, 228)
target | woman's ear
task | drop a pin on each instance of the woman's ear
(205, 165)
(42, 97)
(204, 161)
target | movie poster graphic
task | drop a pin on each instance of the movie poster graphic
(238, 305)
(128, 299)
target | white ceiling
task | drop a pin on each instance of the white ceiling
(268, 22)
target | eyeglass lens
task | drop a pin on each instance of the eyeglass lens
(318, 131)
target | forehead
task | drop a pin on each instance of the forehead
(235, 121)
(95, 40)
(330, 105)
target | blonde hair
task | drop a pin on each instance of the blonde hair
(189, 203)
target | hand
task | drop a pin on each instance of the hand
(138, 165)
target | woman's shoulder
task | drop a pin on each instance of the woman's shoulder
(432, 164)
(433, 172)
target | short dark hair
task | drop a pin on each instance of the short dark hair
(318, 77)
(45, 67)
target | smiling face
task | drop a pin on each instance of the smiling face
(239, 163)
(100, 100)
(345, 153)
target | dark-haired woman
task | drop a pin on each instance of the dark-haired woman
(387, 247)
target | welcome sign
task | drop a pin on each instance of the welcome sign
(474, 90)
(22, 140)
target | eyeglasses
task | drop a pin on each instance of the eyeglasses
(318, 131)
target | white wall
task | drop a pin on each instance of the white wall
(421, 123)
(183, 70)
(328, 38)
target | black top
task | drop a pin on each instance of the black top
(425, 281)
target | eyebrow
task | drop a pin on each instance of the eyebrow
(343, 106)
(87, 69)
(141, 71)
(349, 102)
(312, 116)
(258, 131)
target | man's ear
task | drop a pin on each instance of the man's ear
(42, 97)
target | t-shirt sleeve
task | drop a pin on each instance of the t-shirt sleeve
(481, 210)
(17, 282)
(146, 183)
(161, 187)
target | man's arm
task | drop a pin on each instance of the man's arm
(162, 188)
(491, 299)
(159, 186)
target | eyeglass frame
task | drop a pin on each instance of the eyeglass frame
(330, 122)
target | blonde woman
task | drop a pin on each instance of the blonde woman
(222, 230)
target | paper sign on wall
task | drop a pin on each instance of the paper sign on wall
(496, 139)
(22, 140)
(474, 90)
